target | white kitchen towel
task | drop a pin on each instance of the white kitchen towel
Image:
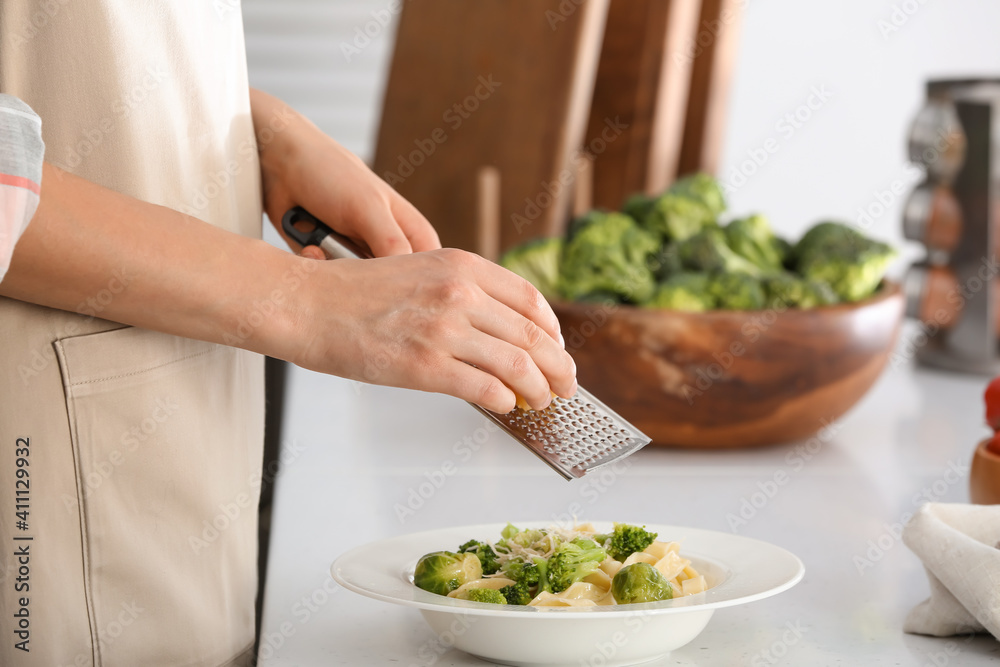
(960, 548)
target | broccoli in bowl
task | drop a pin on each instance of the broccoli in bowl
(671, 251)
(563, 567)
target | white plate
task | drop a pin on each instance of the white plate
(738, 570)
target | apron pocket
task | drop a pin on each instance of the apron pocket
(167, 435)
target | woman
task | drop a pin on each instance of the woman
(142, 443)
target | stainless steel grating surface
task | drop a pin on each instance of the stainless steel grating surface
(574, 436)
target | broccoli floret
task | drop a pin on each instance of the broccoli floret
(544, 586)
(521, 572)
(489, 595)
(683, 291)
(518, 593)
(509, 531)
(752, 239)
(787, 252)
(442, 572)
(528, 538)
(537, 262)
(703, 188)
(675, 217)
(844, 258)
(736, 291)
(638, 206)
(688, 206)
(707, 251)
(625, 540)
(787, 290)
(572, 561)
(486, 555)
(607, 252)
(602, 297)
(640, 582)
(666, 262)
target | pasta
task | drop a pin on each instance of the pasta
(563, 568)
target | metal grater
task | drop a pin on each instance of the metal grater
(573, 435)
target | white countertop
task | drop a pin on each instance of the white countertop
(355, 454)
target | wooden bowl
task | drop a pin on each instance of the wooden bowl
(731, 378)
(984, 477)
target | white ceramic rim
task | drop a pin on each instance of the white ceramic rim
(753, 570)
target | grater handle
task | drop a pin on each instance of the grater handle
(306, 229)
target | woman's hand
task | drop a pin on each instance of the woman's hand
(302, 166)
(445, 321)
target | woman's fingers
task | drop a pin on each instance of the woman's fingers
(312, 252)
(517, 328)
(380, 230)
(395, 227)
(519, 295)
(554, 363)
(513, 365)
(459, 379)
(414, 225)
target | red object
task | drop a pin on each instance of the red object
(993, 446)
(992, 397)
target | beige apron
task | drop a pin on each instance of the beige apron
(142, 451)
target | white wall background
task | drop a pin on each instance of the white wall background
(294, 52)
(850, 149)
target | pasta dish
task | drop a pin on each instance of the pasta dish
(562, 567)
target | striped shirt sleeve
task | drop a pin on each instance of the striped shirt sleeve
(21, 155)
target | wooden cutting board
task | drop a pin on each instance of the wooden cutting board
(643, 79)
(490, 83)
(712, 72)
